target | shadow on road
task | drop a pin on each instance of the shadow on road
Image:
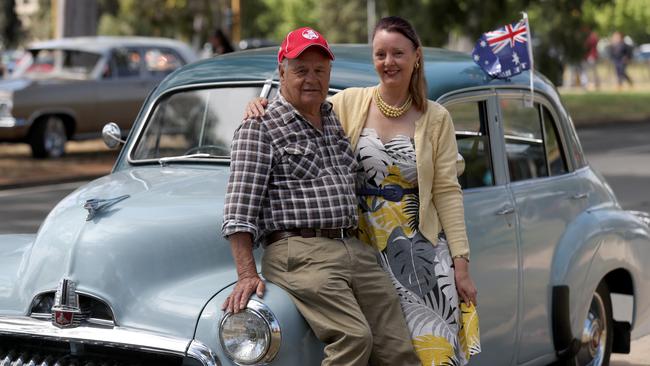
(83, 160)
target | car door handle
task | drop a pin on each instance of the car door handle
(506, 211)
(580, 196)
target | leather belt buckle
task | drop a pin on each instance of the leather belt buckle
(393, 192)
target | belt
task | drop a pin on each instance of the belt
(310, 233)
(391, 192)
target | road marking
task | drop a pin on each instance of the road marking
(39, 189)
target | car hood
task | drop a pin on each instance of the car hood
(155, 258)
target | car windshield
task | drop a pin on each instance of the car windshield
(196, 124)
(49, 63)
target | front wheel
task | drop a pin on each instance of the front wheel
(48, 138)
(597, 333)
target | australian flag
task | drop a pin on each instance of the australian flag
(503, 53)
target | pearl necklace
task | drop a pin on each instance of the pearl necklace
(391, 111)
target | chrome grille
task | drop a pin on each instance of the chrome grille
(22, 351)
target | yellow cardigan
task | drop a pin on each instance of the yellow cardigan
(441, 199)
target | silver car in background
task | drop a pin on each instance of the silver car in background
(66, 89)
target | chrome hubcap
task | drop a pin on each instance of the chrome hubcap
(594, 334)
(54, 137)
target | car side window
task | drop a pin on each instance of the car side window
(125, 63)
(554, 153)
(161, 62)
(524, 140)
(473, 141)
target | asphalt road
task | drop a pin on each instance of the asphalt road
(621, 152)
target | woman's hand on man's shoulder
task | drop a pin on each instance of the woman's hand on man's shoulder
(256, 108)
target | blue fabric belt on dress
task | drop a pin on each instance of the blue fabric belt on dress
(391, 192)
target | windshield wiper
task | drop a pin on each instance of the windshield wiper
(164, 161)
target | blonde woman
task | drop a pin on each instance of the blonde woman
(410, 201)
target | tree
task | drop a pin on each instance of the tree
(10, 26)
(632, 17)
(180, 19)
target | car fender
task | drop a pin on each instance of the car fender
(299, 346)
(67, 113)
(596, 243)
(625, 246)
(14, 249)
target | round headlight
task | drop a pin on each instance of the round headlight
(250, 336)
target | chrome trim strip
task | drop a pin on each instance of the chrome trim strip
(468, 133)
(447, 97)
(202, 353)
(87, 334)
(146, 116)
(98, 321)
(99, 299)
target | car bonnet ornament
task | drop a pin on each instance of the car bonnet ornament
(66, 312)
(95, 205)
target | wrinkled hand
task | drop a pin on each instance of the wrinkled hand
(243, 290)
(255, 108)
(464, 283)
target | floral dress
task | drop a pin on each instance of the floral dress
(442, 332)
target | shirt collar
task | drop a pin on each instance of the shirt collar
(325, 109)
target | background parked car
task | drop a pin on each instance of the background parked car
(9, 60)
(68, 88)
(132, 265)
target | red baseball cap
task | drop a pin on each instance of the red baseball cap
(299, 40)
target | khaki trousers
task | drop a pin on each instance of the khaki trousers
(345, 296)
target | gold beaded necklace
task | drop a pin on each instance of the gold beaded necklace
(391, 111)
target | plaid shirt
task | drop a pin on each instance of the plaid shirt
(286, 174)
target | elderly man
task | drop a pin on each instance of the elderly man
(291, 189)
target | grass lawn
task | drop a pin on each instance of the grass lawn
(607, 106)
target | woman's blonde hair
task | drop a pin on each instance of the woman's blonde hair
(418, 84)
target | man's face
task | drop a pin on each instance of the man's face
(305, 81)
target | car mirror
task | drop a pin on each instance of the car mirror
(460, 165)
(112, 135)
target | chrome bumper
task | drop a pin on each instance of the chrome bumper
(108, 336)
(12, 129)
(643, 216)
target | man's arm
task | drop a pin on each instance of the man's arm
(250, 169)
(248, 280)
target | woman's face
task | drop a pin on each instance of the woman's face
(394, 57)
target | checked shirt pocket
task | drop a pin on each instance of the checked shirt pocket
(303, 161)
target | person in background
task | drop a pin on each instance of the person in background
(410, 201)
(220, 43)
(621, 55)
(292, 189)
(590, 64)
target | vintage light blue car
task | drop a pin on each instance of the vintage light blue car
(131, 268)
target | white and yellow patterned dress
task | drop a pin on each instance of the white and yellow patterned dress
(442, 332)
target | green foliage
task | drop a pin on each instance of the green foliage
(180, 19)
(352, 14)
(632, 17)
(606, 106)
(559, 27)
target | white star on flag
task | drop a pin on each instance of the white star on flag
(483, 44)
(515, 58)
(476, 58)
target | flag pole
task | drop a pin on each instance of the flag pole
(530, 57)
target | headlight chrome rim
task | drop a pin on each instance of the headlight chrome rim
(273, 333)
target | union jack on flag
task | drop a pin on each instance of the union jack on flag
(504, 52)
